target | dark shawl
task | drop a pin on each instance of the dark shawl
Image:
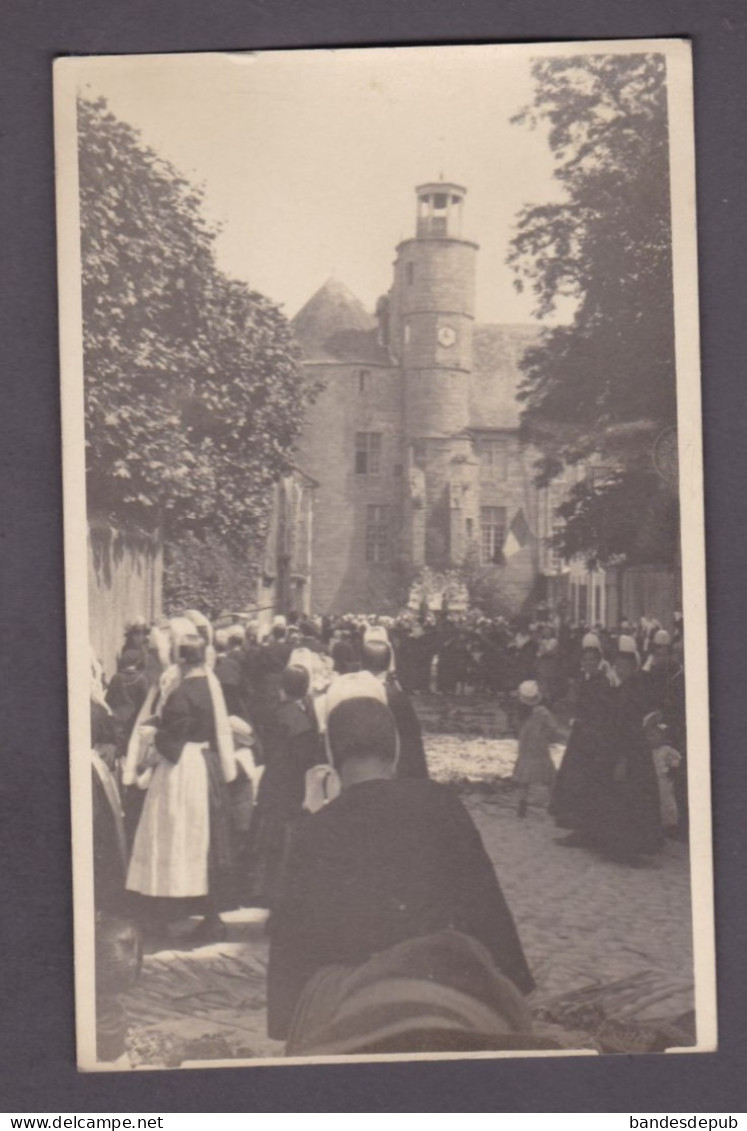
(412, 762)
(577, 792)
(293, 747)
(386, 861)
(626, 818)
(187, 717)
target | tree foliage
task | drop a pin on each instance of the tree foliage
(193, 390)
(490, 590)
(604, 384)
(202, 574)
(626, 518)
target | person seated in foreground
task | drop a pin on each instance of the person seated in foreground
(386, 861)
(438, 993)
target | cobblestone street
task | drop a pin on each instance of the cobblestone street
(609, 945)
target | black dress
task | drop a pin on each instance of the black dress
(386, 861)
(626, 819)
(292, 748)
(580, 786)
(125, 696)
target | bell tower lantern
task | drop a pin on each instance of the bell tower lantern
(439, 213)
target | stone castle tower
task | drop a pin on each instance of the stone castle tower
(414, 441)
(432, 312)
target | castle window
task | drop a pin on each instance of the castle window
(362, 376)
(492, 534)
(407, 333)
(410, 273)
(377, 533)
(368, 453)
(470, 529)
(492, 454)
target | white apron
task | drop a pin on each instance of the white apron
(170, 853)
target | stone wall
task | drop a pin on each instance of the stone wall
(125, 580)
(456, 484)
(508, 483)
(357, 398)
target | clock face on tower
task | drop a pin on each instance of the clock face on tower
(446, 336)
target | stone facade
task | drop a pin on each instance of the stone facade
(125, 581)
(414, 440)
(285, 580)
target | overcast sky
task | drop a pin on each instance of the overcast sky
(309, 159)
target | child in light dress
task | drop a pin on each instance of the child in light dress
(666, 759)
(537, 730)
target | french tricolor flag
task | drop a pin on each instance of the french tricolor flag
(517, 535)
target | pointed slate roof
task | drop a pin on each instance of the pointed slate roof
(334, 325)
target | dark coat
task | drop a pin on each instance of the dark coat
(228, 670)
(109, 852)
(412, 762)
(293, 747)
(271, 660)
(125, 696)
(581, 782)
(387, 860)
(626, 819)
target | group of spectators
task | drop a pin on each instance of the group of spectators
(287, 770)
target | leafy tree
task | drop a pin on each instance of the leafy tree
(193, 390)
(602, 386)
(627, 517)
(203, 575)
(490, 590)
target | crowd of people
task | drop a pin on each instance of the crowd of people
(286, 769)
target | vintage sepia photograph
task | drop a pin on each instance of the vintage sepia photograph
(384, 554)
